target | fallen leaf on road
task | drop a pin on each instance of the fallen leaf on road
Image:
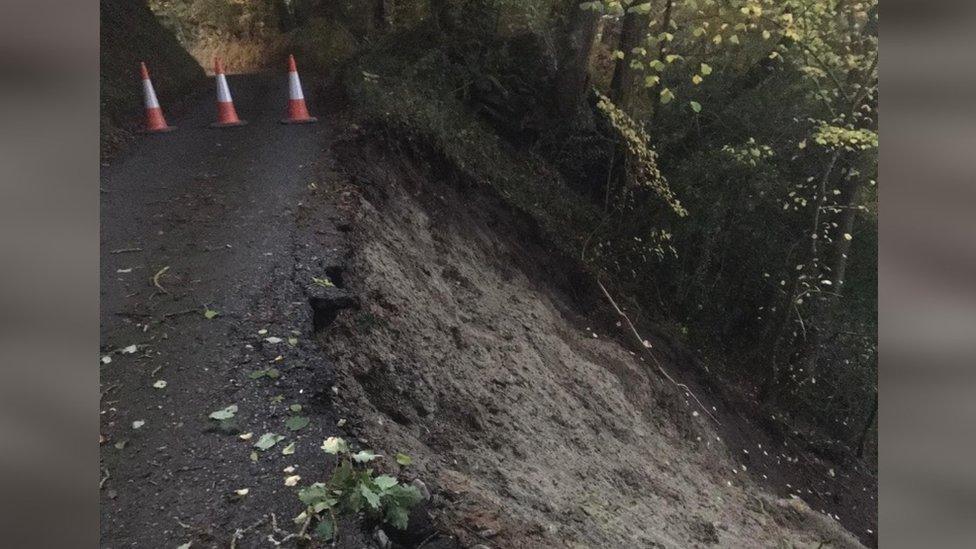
(185, 545)
(254, 456)
(295, 408)
(226, 413)
(290, 469)
(210, 314)
(130, 349)
(129, 270)
(273, 340)
(160, 384)
(292, 480)
(106, 360)
(120, 444)
(288, 450)
(268, 440)
(296, 423)
(246, 436)
(341, 422)
(138, 423)
(262, 331)
(293, 341)
(242, 492)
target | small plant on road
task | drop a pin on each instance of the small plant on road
(354, 488)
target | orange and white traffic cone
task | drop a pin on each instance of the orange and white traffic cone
(226, 114)
(297, 111)
(155, 122)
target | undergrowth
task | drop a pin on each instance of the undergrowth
(352, 488)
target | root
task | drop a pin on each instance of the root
(640, 341)
(239, 533)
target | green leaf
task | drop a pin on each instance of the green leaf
(371, 498)
(272, 373)
(404, 459)
(398, 517)
(226, 413)
(695, 106)
(325, 529)
(268, 440)
(385, 482)
(313, 494)
(666, 96)
(210, 314)
(706, 69)
(405, 496)
(295, 423)
(364, 456)
(295, 408)
(650, 81)
(324, 504)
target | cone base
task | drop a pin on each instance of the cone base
(309, 120)
(167, 129)
(229, 124)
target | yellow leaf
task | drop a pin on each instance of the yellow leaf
(696, 79)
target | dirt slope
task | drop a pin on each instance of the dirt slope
(537, 428)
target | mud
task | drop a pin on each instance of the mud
(491, 361)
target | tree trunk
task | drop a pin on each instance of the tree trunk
(574, 73)
(846, 226)
(622, 87)
(810, 261)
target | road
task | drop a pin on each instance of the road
(229, 221)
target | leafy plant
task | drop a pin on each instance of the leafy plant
(352, 488)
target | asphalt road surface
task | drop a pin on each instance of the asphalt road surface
(226, 220)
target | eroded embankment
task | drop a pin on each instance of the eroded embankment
(485, 358)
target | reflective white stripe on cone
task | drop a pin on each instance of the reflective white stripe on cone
(297, 111)
(155, 121)
(226, 114)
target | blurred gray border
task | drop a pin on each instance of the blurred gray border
(928, 275)
(49, 273)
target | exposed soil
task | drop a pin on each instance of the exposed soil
(495, 364)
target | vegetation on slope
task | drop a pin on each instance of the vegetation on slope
(715, 160)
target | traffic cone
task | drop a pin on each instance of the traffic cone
(155, 122)
(226, 114)
(297, 111)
